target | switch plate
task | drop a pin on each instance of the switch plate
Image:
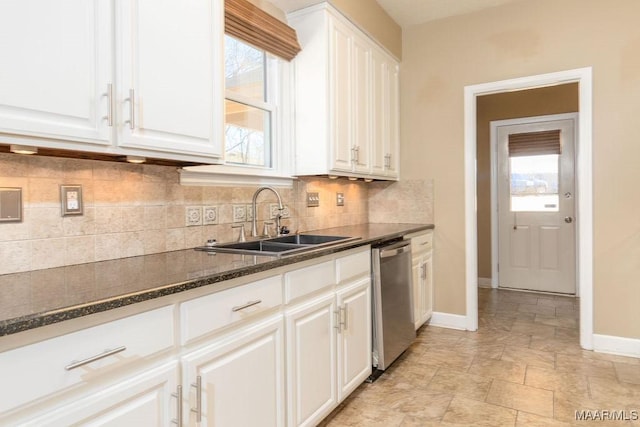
(339, 199)
(71, 200)
(10, 204)
(193, 216)
(313, 199)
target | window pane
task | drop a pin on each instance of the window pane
(244, 68)
(247, 134)
(534, 183)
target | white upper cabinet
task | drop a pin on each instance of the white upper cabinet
(346, 99)
(170, 65)
(117, 77)
(56, 69)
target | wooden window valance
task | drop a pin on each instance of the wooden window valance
(253, 25)
(535, 143)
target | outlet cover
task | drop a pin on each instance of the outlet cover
(239, 213)
(193, 216)
(313, 200)
(210, 215)
(339, 199)
(273, 211)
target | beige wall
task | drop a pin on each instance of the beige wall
(501, 106)
(374, 20)
(521, 39)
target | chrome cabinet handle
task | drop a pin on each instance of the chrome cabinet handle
(132, 109)
(387, 161)
(345, 311)
(357, 154)
(423, 271)
(110, 104)
(107, 353)
(338, 323)
(198, 408)
(247, 305)
(178, 395)
(353, 154)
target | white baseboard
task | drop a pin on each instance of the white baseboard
(616, 345)
(448, 320)
(484, 282)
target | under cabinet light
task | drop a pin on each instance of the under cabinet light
(136, 159)
(368, 180)
(333, 176)
(353, 178)
(23, 149)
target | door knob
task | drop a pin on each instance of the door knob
(568, 219)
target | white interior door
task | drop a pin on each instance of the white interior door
(536, 210)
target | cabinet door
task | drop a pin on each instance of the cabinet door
(361, 92)
(311, 361)
(379, 107)
(171, 92)
(417, 268)
(354, 336)
(340, 110)
(143, 400)
(56, 62)
(392, 136)
(242, 378)
(427, 287)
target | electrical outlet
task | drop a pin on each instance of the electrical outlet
(339, 199)
(313, 199)
(193, 216)
(239, 213)
(249, 213)
(210, 215)
(273, 211)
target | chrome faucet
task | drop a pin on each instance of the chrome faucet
(254, 225)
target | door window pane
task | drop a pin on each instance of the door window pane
(247, 134)
(534, 183)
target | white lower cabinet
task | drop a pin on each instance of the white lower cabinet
(146, 399)
(238, 380)
(422, 268)
(328, 346)
(278, 350)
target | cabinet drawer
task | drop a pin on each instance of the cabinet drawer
(421, 242)
(42, 369)
(206, 314)
(351, 267)
(307, 280)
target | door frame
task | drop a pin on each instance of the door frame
(584, 185)
(493, 145)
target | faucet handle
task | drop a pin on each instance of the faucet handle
(265, 229)
(241, 236)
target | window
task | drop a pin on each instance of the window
(250, 104)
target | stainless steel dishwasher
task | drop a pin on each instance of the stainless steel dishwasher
(393, 325)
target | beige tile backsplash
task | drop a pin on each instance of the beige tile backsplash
(133, 210)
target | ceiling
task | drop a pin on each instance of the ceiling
(411, 12)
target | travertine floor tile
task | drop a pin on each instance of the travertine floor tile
(551, 379)
(525, 419)
(628, 373)
(605, 389)
(555, 345)
(499, 369)
(584, 366)
(566, 406)
(543, 359)
(537, 309)
(536, 329)
(463, 411)
(521, 397)
(460, 383)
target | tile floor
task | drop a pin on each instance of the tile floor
(524, 367)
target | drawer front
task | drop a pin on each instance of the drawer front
(422, 242)
(304, 281)
(209, 313)
(351, 267)
(42, 369)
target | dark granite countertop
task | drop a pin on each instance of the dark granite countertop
(37, 298)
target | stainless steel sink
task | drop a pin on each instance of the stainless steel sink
(278, 246)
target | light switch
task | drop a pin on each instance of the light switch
(313, 199)
(339, 199)
(10, 204)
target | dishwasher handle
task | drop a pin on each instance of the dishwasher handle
(393, 251)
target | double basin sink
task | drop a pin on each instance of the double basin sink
(289, 244)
